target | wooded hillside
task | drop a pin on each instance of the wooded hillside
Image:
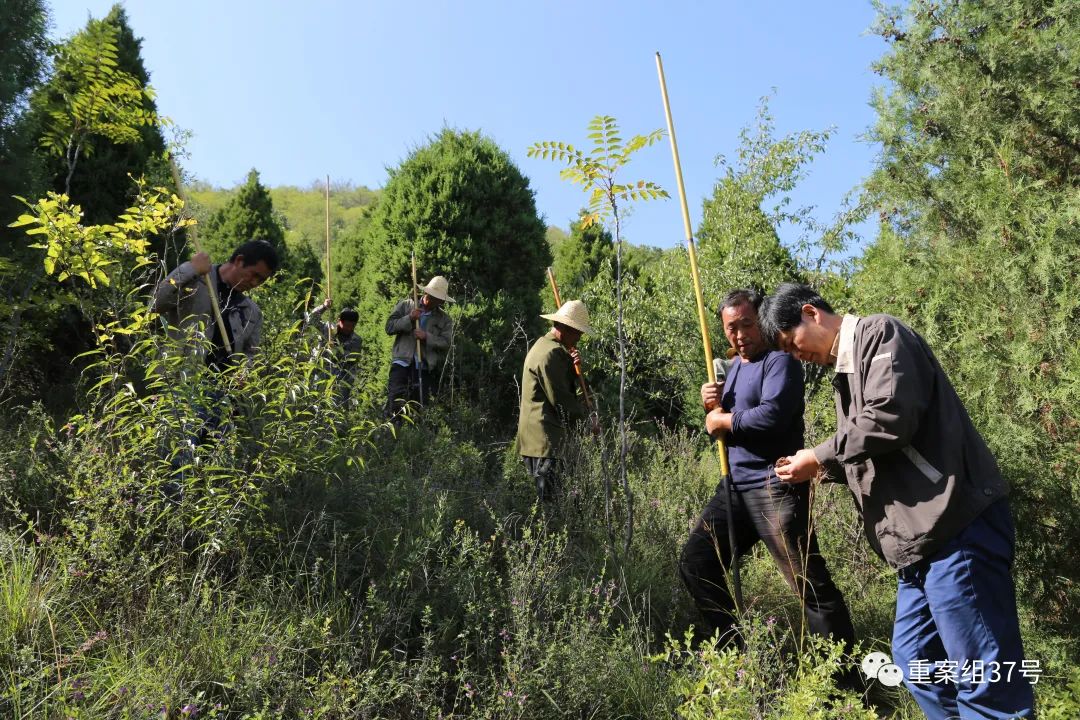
(178, 541)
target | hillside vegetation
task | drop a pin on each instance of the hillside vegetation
(313, 561)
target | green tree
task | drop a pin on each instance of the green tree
(249, 215)
(468, 213)
(105, 185)
(98, 98)
(89, 103)
(597, 172)
(579, 257)
(23, 49)
(738, 239)
(978, 194)
(347, 260)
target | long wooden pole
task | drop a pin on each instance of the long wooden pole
(206, 278)
(577, 368)
(329, 325)
(721, 448)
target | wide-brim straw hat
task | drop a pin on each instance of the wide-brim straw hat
(436, 288)
(572, 313)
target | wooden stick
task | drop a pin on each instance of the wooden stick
(577, 368)
(416, 324)
(206, 278)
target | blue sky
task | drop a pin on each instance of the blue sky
(299, 90)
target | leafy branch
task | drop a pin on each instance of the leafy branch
(96, 253)
(596, 173)
(95, 98)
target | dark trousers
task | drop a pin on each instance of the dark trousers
(779, 515)
(404, 387)
(956, 636)
(545, 472)
(212, 425)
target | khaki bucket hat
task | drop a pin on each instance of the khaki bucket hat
(572, 313)
(436, 288)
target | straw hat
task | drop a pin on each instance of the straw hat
(436, 288)
(572, 313)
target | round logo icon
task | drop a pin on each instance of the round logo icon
(872, 664)
(890, 675)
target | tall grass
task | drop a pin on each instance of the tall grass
(319, 565)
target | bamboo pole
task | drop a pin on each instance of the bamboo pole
(721, 448)
(577, 368)
(206, 278)
(329, 324)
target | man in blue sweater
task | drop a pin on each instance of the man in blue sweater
(760, 410)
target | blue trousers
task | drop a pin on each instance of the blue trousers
(956, 636)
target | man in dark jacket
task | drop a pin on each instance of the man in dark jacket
(760, 411)
(932, 500)
(343, 344)
(184, 302)
(186, 308)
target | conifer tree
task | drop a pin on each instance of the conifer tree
(23, 54)
(580, 256)
(468, 213)
(249, 215)
(23, 47)
(978, 195)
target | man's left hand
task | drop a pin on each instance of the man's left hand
(798, 468)
(419, 334)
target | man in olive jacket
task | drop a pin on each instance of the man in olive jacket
(932, 500)
(550, 404)
(411, 374)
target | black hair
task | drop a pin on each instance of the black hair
(254, 251)
(349, 315)
(738, 297)
(782, 310)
